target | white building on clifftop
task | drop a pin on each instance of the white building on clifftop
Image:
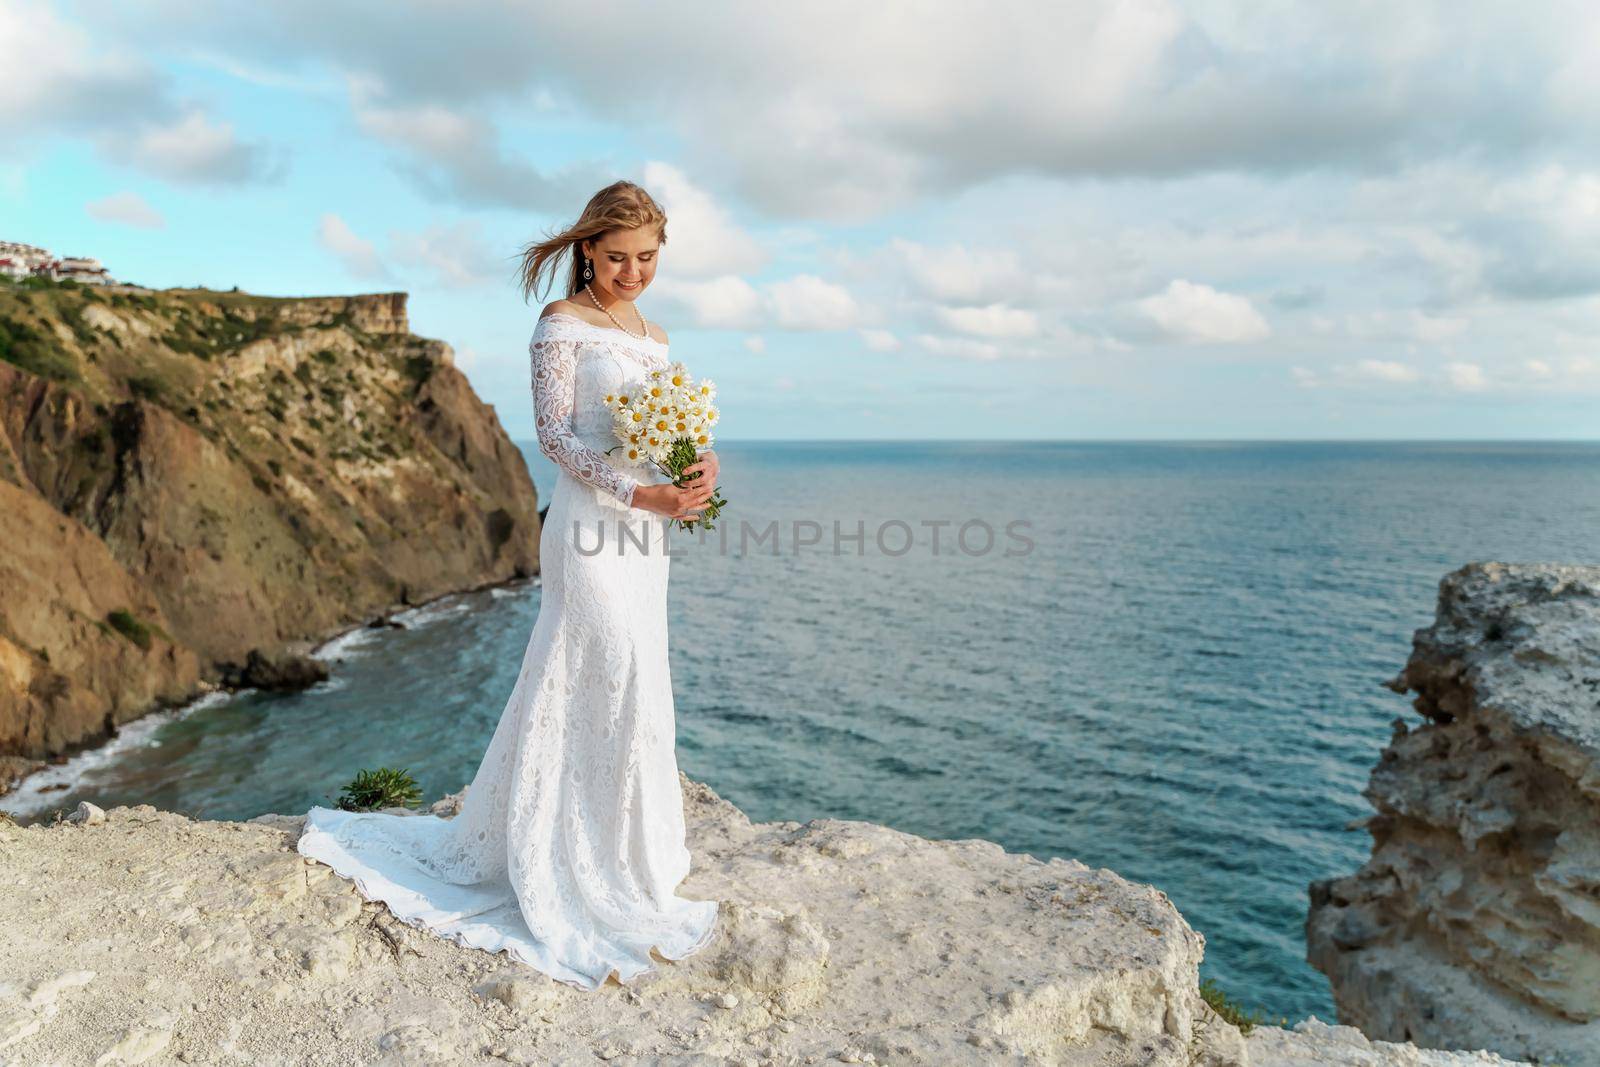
(19, 261)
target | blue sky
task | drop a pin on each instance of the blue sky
(1108, 220)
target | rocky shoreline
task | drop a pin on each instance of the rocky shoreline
(143, 936)
(297, 666)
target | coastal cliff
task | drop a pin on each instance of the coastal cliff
(1476, 921)
(195, 484)
(142, 936)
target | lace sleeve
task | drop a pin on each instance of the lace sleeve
(553, 361)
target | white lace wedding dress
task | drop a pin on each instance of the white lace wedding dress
(570, 842)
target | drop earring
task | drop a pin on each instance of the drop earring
(588, 270)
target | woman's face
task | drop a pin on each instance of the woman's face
(624, 262)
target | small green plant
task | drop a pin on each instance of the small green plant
(129, 626)
(1231, 1011)
(382, 788)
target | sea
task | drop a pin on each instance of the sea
(1164, 658)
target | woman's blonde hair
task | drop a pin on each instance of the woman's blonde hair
(621, 205)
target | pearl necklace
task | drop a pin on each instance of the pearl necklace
(642, 324)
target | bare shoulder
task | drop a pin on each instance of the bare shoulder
(657, 332)
(564, 307)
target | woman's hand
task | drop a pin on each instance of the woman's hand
(708, 463)
(675, 502)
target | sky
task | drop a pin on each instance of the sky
(1117, 220)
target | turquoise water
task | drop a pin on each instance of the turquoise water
(1181, 680)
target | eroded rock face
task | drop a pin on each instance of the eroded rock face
(1476, 922)
(65, 672)
(242, 476)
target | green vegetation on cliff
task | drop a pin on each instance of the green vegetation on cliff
(26, 347)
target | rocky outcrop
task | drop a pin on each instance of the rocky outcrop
(196, 484)
(141, 935)
(145, 929)
(1476, 921)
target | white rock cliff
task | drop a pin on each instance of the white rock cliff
(1476, 921)
(142, 936)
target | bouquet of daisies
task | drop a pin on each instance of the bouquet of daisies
(664, 421)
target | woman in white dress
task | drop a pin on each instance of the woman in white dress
(570, 843)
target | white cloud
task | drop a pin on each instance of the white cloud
(457, 157)
(193, 148)
(263, 77)
(726, 303)
(1467, 377)
(806, 120)
(804, 302)
(1383, 370)
(358, 255)
(1507, 233)
(1198, 313)
(803, 120)
(807, 302)
(702, 241)
(957, 273)
(58, 83)
(994, 320)
(53, 72)
(756, 343)
(455, 255)
(128, 208)
(880, 340)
